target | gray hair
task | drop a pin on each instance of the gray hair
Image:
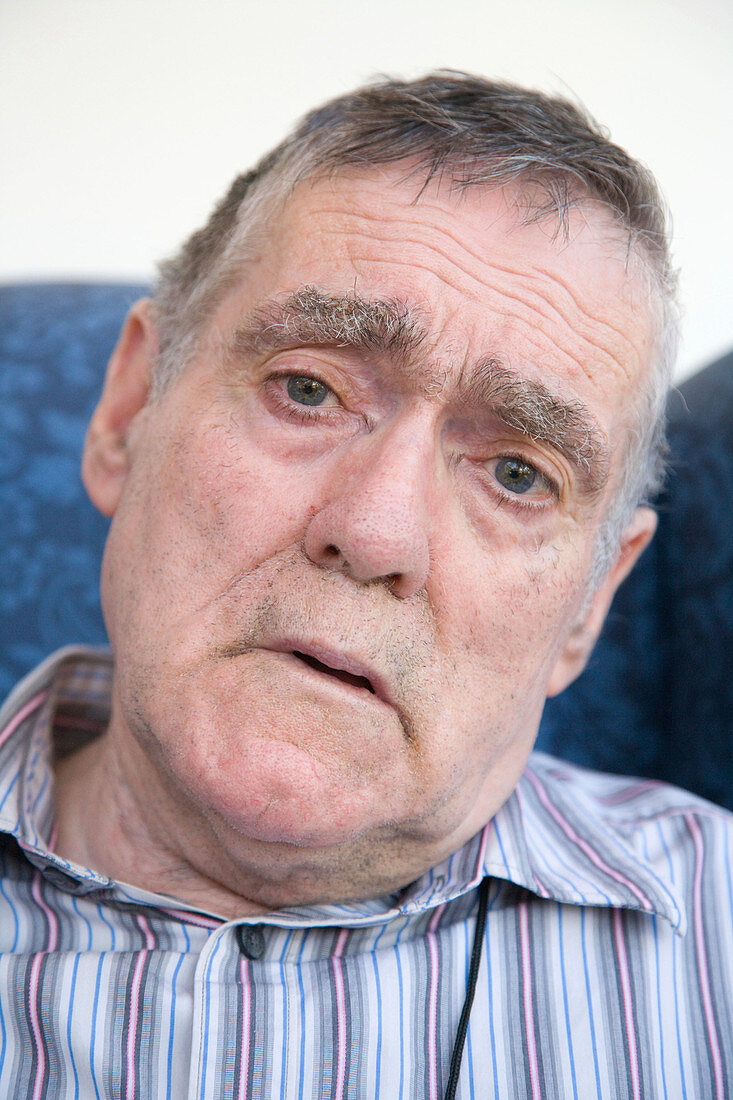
(469, 132)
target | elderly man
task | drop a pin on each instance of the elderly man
(376, 456)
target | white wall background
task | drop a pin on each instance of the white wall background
(123, 120)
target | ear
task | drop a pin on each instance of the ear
(126, 388)
(579, 645)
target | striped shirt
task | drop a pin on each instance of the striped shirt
(607, 966)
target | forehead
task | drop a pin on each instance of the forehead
(482, 279)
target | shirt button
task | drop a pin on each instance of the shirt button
(251, 940)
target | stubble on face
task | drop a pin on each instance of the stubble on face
(209, 631)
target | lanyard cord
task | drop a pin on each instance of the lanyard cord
(478, 943)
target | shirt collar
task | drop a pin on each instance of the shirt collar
(565, 834)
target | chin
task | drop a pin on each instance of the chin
(275, 792)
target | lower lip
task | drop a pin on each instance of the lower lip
(326, 680)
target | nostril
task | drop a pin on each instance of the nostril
(332, 551)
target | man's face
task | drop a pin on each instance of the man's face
(351, 542)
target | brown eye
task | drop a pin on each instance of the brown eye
(514, 475)
(306, 390)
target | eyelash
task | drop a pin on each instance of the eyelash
(318, 414)
(291, 410)
(515, 501)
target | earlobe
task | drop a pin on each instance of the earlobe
(579, 645)
(105, 463)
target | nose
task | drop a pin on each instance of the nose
(374, 525)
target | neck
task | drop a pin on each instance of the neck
(125, 830)
(114, 814)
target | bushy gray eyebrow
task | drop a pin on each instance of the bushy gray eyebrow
(309, 316)
(530, 408)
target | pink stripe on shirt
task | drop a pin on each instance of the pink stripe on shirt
(35, 1025)
(623, 965)
(135, 1004)
(340, 1014)
(244, 1050)
(702, 962)
(53, 927)
(22, 714)
(534, 1072)
(433, 1003)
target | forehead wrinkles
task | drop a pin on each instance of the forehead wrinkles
(534, 298)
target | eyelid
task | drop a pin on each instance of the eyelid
(281, 405)
(284, 375)
(550, 482)
(301, 363)
(305, 361)
(523, 502)
(332, 413)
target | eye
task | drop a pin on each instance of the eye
(516, 476)
(305, 390)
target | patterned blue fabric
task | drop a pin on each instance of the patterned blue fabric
(657, 696)
(54, 344)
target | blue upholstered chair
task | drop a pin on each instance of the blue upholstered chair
(657, 696)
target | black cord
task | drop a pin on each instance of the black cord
(478, 943)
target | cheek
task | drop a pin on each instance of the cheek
(233, 503)
(504, 632)
(197, 513)
(231, 510)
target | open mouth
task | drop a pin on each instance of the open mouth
(338, 673)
